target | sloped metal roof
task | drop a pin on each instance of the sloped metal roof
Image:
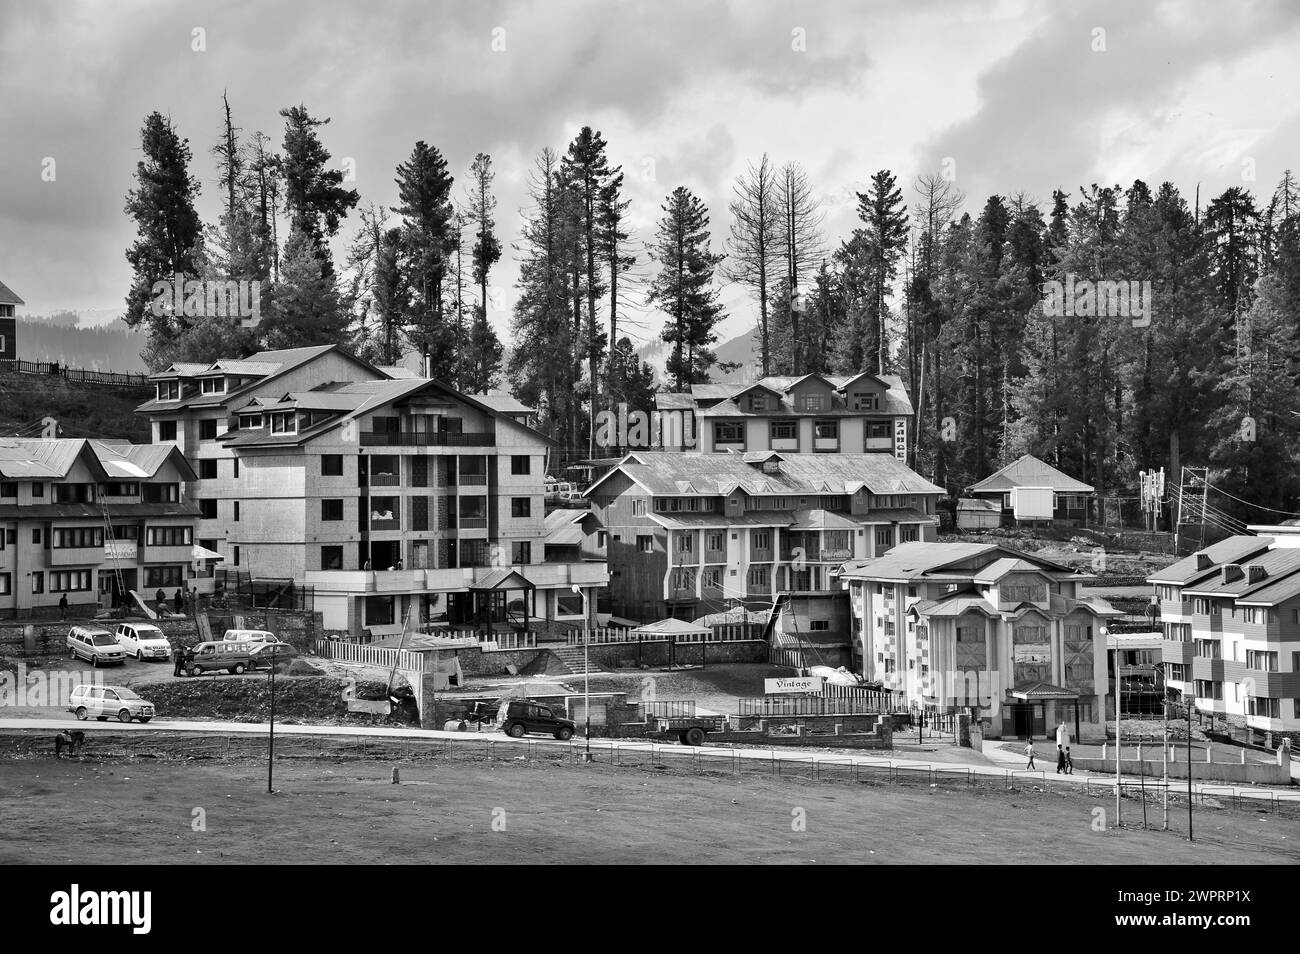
(1029, 471)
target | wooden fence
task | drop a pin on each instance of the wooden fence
(366, 655)
(119, 379)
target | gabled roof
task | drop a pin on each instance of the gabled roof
(8, 297)
(41, 459)
(660, 472)
(718, 400)
(822, 520)
(1029, 471)
(1231, 550)
(910, 561)
(265, 365)
(1000, 568)
(1276, 565)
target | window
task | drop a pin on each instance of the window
(826, 430)
(758, 402)
(520, 464)
(521, 507)
(911, 592)
(234, 556)
(284, 422)
(819, 625)
(813, 402)
(601, 538)
(728, 432)
(783, 430)
(866, 402)
(331, 465)
(121, 488)
(208, 509)
(234, 469)
(207, 470)
(169, 390)
(1263, 706)
(1257, 615)
(884, 537)
(645, 544)
(69, 581)
(1208, 649)
(235, 517)
(38, 581)
(685, 542)
(77, 538)
(166, 430)
(38, 490)
(521, 552)
(1258, 659)
(714, 541)
(331, 509)
(331, 558)
(212, 385)
(11, 490)
(4, 584)
(36, 535)
(208, 430)
(758, 576)
(762, 539)
(1205, 689)
(638, 506)
(163, 577)
(167, 536)
(908, 534)
(712, 579)
(161, 493)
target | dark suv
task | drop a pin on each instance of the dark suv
(522, 716)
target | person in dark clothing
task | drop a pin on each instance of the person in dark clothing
(1069, 762)
(179, 601)
(1060, 760)
(63, 606)
(178, 659)
(161, 599)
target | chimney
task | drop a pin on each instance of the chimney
(1203, 561)
(428, 364)
(1231, 571)
(1255, 573)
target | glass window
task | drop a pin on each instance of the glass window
(331, 465)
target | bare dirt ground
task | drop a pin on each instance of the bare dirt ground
(327, 812)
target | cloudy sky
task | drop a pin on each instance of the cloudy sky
(1020, 96)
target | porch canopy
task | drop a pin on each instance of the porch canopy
(672, 627)
(491, 607)
(1042, 692)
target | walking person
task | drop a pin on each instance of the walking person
(1069, 762)
(1060, 760)
(63, 606)
(178, 659)
(178, 601)
(1029, 751)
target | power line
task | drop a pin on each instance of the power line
(1217, 490)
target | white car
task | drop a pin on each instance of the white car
(143, 641)
(101, 702)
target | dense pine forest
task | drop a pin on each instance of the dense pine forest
(1109, 329)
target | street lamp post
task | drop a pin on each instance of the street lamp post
(586, 683)
(1191, 702)
(270, 751)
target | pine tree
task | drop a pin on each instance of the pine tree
(169, 231)
(314, 197)
(424, 191)
(305, 307)
(753, 253)
(684, 289)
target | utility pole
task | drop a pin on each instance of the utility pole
(1119, 697)
(270, 751)
(1190, 702)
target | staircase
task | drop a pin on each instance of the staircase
(572, 657)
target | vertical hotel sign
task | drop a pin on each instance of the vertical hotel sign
(900, 438)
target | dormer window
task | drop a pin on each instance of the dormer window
(813, 402)
(758, 402)
(212, 385)
(867, 402)
(284, 422)
(169, 390)
(253, 421)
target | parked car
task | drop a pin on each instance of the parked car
(249, 636)
(232, 657)
(143, 641)
(101, 702)
(523, 716)
(98, 647)
(264, 655)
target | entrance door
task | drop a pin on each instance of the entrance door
(1023, 720)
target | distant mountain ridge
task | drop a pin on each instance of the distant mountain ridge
(742, 350)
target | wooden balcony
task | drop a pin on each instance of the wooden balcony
(426, 439)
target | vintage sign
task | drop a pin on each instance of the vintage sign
(792, 685)
(900, 438)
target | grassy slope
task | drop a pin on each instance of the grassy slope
(81, 410)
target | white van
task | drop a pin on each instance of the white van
(143, 641)
(249, 636)
(101, 702)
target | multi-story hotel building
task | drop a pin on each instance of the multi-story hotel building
(812, 414)
(1230, 616)
(92, 520)
(383, 492)
(9, 303)
(688, 534)
(1007, 634)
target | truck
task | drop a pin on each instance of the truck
(689, 730)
